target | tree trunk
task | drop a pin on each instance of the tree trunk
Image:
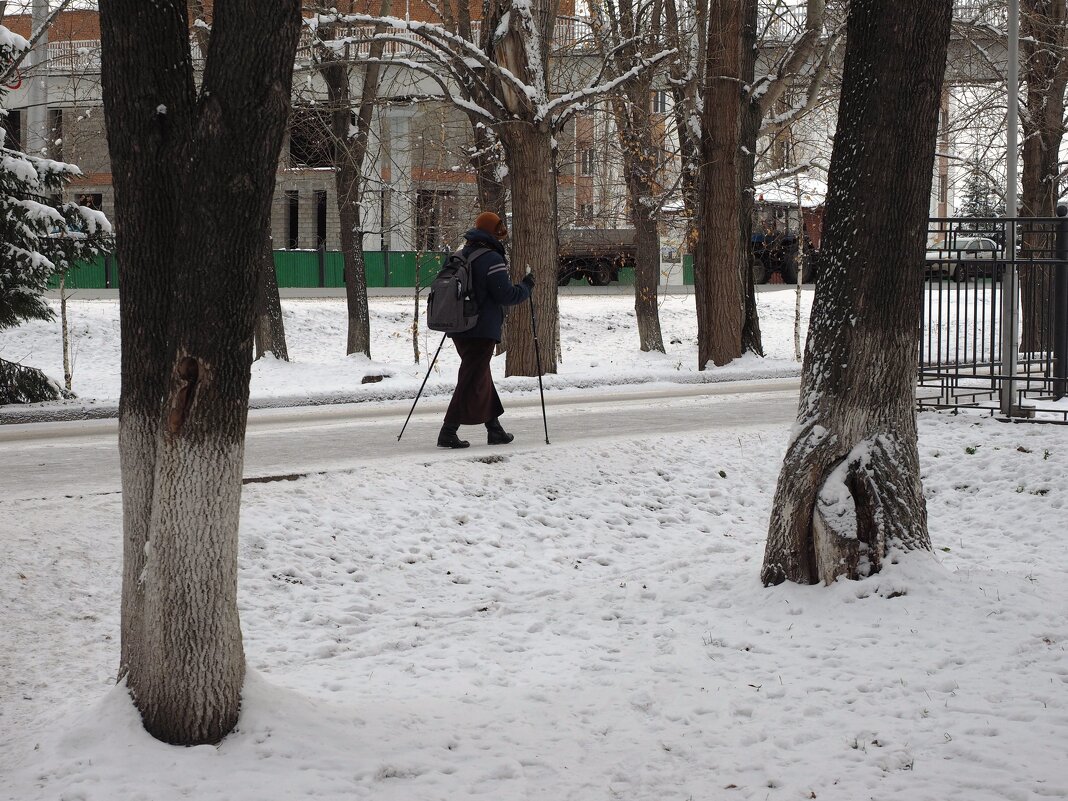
(626, 35)
(752, 114)
(647, 281)
(350, 154)
(190, 247)
(486, 161)
(639, 166)
(718, 289)
(1043, 38)
(534, 245)
(849, 494)
(64, 327)
(349, 189)
(270, 328)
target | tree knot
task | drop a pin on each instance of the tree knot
(188, 372)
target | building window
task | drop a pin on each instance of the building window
(292, 219)
(320, 218)
(586, 213)
(660, 102)
(586, 161)
(92, 200)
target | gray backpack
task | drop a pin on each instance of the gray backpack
(451, 306)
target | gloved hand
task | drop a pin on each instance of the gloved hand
(528, 279)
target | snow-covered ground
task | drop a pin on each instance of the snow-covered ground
(582, 621)
(598, 336)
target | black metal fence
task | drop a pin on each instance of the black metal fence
(994, 332)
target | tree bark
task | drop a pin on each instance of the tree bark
(486, 161)
(1043, 39)
(752, 114)
(527, 137)
(718, 290)
(65, 329)
(533, 235)
(624, 44)
(270, 328)
(849, 495)
(193, 177)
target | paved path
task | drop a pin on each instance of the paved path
(75, 458)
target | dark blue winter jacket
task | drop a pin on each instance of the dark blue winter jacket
(493, 288)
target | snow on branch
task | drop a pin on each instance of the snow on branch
(581, 95)
(447, 93)
(442, 38)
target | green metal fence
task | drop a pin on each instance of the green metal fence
(100, 273)
(307, 269)
(294, 268)
(312, 268)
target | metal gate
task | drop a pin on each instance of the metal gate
(994, 333)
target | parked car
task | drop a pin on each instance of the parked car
(978, 257)
(969, 257)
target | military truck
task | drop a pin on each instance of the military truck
(595, 255)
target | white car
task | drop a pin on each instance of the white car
(968, 257)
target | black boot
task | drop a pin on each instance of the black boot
(447, 437)
(497, 435)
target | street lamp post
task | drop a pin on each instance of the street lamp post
(1010, 346)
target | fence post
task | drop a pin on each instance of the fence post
(1060, 306)
(1010, 343)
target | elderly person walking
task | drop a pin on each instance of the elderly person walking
(475, 400)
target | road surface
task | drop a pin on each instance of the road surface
(47, 460)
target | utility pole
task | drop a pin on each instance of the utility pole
(1010, 345)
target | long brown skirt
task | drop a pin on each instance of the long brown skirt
(475, 399)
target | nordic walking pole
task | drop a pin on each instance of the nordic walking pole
(420, 392)
(537, 355)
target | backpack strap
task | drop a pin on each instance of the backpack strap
(474, 254)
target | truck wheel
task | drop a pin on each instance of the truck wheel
(601, 274)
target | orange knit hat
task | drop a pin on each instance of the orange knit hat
(492, 224)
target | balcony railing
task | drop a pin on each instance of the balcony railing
(778, 20)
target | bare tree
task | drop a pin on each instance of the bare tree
(629, 33)
(194, 174)
(486, 155)
(722, 109)
(509, 80)
(1044, 51)
(771, 107)
(351, 130)
(718, 287)
(849, 493)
